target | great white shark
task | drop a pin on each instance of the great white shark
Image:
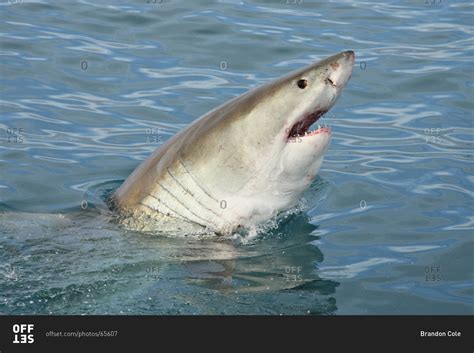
(241, 163)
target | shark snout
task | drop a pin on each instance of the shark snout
(349, 55)
(341, 69)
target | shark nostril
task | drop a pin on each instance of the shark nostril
(328, 80)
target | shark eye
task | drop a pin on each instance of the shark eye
(303, 83)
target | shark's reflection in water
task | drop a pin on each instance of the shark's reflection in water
(282, 273)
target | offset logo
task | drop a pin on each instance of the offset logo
(23, 333)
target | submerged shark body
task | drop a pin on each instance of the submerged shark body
(241, 163)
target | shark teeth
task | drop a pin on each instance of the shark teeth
(309, 132)
(301, 127)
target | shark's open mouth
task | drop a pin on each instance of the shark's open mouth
(301, 128)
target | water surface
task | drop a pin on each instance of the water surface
(89, 89)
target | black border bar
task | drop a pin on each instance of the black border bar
(159, 333)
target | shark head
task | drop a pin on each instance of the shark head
(255, 154)
(259, 151)
(299, 142)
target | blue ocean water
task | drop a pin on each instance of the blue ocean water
(89, 89)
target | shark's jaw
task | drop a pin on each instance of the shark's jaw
(302, 127)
